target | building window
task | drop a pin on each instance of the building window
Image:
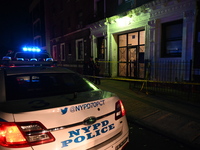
(37, 28)
(62, 50)
(37, 41)
(62, 27)
(80, 20)
(124, 1)
(172, 33)
(101, 48)
(69, 49)
(99, 8)
(54, 52)
(68, 22)
(79, 49)
(54, 31)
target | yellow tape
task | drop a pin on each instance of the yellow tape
(111, 61)
(145, 81)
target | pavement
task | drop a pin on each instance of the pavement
(174, 119)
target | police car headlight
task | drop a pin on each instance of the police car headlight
(6, 58)
(33, 59)
(20, 59)
(49, 59)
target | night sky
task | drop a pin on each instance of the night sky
(15, 28)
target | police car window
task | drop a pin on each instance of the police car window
(31, 55)
(24, 55)
(42, 55)
(40, 85)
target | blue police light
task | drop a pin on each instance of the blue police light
(31, 49)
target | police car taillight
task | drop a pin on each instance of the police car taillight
(23, 134)
(119, 110)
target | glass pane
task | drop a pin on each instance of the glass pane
(122, 40)
(80, 50)
(142, 49)
(55, 53)
(132, 54)
(141, 70)
(122, 54)
(174, 47)
(122, 69)
(174, 31)
(63, 52)
(142, 37)
(133, 38)
(101, 47)
(131, 69)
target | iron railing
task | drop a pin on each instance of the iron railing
(171, 78)
(169, 70)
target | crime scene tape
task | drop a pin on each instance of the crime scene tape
(141, 80)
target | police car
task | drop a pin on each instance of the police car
(53, 108)
(28, 54)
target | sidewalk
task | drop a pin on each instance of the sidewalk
(176, 120)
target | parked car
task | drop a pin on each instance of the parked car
(53, 108)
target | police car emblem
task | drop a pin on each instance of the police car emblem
(90, 120)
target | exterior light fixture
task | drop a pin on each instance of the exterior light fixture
(124, 21)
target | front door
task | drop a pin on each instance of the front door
(131, 54)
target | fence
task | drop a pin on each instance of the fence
(173, 79)
(182, 91)
(169, 70)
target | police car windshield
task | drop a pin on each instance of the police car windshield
(42, 85)
(31, 55)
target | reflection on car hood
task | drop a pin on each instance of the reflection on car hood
(53, 101)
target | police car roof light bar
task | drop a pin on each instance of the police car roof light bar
(31, 49)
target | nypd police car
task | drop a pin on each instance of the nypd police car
(53, 108)
(28, 54)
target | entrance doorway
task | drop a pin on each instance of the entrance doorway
(131, 48)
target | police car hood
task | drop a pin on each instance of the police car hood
(27, 105)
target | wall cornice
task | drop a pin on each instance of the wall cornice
(164, 7)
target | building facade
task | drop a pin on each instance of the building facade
(38, 21)
(157, 40)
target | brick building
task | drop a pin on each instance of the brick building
(132, 38)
